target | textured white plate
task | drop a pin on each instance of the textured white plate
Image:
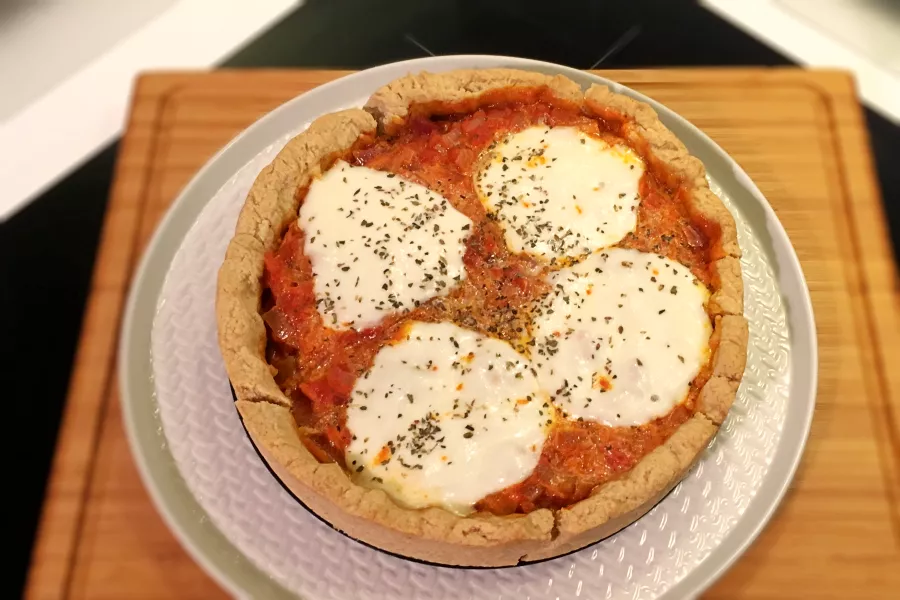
(257, 540)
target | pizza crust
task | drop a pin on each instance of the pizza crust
(728, 285)
(391, 103)
(716, 397)
(434, 534)
(729, 340)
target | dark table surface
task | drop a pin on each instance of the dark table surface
(47, 249)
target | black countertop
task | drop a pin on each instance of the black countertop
(47, 249)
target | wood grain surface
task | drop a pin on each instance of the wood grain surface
(801, 137)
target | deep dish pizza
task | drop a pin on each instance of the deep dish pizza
(488, 318)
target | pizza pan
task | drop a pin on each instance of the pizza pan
(237, 521)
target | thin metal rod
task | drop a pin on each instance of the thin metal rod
(625, 39)
(415, 42)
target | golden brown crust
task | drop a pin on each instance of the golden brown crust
(242, 334)
(729, 339)
(730, 356)
(435, 534)
(716, 397)
(390, 104)
(728, 287)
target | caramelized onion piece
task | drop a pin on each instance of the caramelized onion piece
(278, 324)
(694, 238)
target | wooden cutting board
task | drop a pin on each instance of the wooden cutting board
(801, 137)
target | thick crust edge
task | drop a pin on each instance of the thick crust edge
(434, 534)
(728, 288)
(390, 104)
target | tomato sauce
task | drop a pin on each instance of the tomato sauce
(318, 366)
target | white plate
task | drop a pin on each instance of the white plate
(256, 540)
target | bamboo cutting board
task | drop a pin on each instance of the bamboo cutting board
(801, 137)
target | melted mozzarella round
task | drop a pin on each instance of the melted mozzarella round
(621, 337)
(446, 417)
(561, 193)
(378, 243)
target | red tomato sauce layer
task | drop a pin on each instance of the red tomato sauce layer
(317, 366)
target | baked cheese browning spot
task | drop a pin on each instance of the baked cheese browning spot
(440, 420)
(378, 244)
(560, 193)
(621, 363)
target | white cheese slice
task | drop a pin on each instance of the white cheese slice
(561, 193)
(446, 417)
(378, 244)
(621, 336)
